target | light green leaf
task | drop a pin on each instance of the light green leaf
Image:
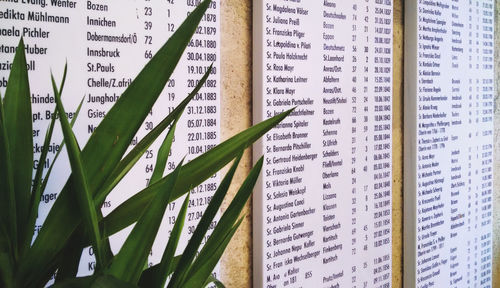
(79, 183)
(127, 264)
(37, 191)
(194, 243)
(18, 124)
(192, 174)
(161, 159)
(61, 146)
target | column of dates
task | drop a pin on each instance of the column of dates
(203, 115)
(380, 111)
(365, 186)
(475, 134)
(486, 132)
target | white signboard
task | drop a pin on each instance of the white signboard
(106, 43)
(448, 143)
(322, 213)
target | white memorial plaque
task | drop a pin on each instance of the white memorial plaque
(322, 213)
(449, 94)
(106, 43)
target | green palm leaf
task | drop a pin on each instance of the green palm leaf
(105, 148)
(152, 272)
(127, 264)
(167, 259)
(133, 156)
(8, 228)
(37, 191)
(202, 228)
(192, 174)
(61, 146)
(161, 159)
(80, 184)
(200, 276)
(229, 217)
(18, 125)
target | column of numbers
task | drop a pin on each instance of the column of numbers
(147, 15)
(469, 95)
(364, 171)
(354, 139)
(202, 113)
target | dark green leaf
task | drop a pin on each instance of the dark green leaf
(106, 147)
(6, 259)
(101, 281)
(81, 282)
(192, 174)
(69, 260)
(8, 225)
(68, 268)
(6, 279)
(194, 243)
(18, 124)
(108, 281)
(128, 263)
(152, 273)
(79, 183)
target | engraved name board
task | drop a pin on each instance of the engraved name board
(106, 43)
(448, 143)
(322, 214)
